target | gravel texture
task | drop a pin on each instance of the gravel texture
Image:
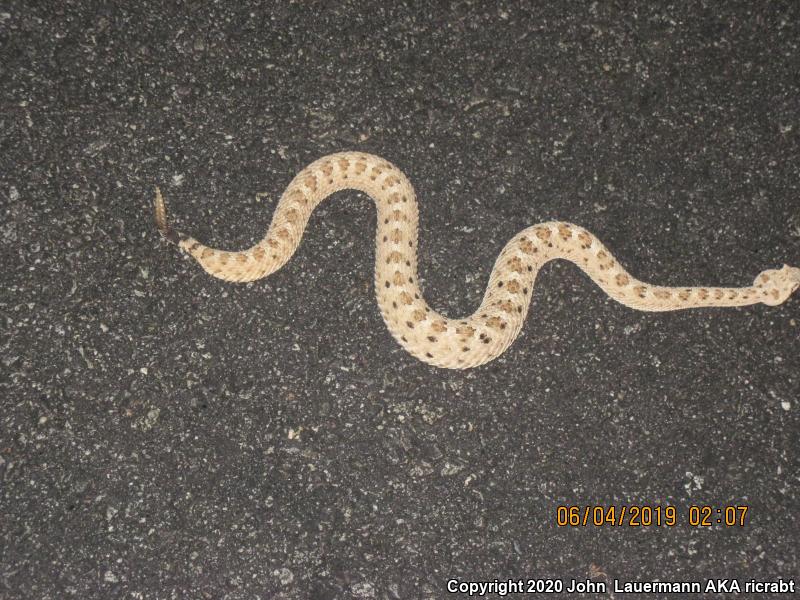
(167, 435)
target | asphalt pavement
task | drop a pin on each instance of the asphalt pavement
(167, 435)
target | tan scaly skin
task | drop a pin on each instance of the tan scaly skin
(431, 337)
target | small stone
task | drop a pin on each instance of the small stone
(284, 575)
(152, 417)
(450, 469)
(363, 590)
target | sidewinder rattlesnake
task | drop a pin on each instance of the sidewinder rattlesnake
(429, 336)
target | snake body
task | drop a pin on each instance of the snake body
(426, 334)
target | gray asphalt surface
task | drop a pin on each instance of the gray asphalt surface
(167, 435)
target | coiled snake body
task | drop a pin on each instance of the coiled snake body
(429, 336)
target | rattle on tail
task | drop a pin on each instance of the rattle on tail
(427, 335)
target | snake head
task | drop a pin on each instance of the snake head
(778, 284)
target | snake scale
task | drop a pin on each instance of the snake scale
(427, 335)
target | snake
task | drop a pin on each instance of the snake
(426, 334)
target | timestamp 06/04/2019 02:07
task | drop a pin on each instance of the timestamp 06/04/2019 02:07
(650, 516)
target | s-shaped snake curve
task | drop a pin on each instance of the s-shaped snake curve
(427, 335)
